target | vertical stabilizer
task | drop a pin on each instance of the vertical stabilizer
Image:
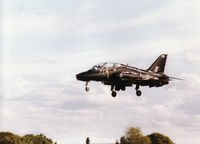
(159, 65)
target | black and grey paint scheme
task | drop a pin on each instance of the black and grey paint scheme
(120, 76)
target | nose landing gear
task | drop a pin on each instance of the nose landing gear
(86, 87)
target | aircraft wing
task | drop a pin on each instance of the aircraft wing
(136, 76)
(132, 75)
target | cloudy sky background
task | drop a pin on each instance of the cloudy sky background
(45, 43)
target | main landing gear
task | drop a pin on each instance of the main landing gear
(113, 93)
(138, 92)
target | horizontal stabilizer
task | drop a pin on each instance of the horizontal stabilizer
(173, 78)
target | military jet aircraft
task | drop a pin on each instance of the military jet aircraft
(120, 76)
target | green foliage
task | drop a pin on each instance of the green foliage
(36, 139)
(9, 138)
(157, 138)
(123, 140)
(145, 140)
(134, 136)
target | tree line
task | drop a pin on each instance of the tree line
(10, 138)
(134, 136)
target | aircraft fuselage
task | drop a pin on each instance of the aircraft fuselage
(120, 76)
(124, 75)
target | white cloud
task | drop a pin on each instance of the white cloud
(191, 82)
(193, 57)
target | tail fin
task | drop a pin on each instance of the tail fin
(159, 65)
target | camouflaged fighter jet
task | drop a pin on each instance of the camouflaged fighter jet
(120, 76)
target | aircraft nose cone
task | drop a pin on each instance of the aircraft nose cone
(85, 76)
(80, 76)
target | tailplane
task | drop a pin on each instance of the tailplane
(159, 65)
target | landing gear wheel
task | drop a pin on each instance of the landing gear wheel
(114, 94)
(138, 93)
(87, 89)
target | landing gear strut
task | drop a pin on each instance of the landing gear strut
(113, 93)
(138, 92)
(86, 87)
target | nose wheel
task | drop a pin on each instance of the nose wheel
(86, 87)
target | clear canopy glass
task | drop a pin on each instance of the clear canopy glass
(106, 65)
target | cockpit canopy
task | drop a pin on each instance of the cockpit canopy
(105, 65)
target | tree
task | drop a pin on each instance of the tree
(10, 138)
(123, 140)
(134, 136)
(157, 138)
(36, 139)
(145, 140)
(88, 140)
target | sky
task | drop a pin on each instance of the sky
(44, 44)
